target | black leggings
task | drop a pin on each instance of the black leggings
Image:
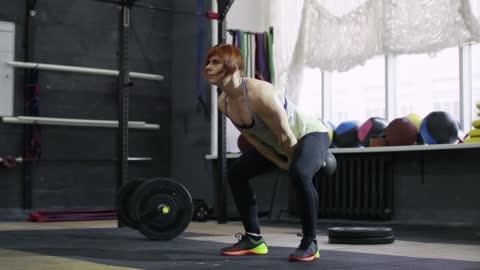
(307, 160)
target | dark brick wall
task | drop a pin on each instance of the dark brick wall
(190, 127)
(85, 33)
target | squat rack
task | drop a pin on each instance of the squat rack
(124, 85)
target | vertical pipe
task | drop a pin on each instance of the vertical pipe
(465, 53)
(327, 112)
(213, 96)
(390, 88)
(222, 143)
(123, 95)
(27, 191)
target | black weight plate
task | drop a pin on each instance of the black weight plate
(359, 232)
(122, 202)
(146, 206)
(362, 241)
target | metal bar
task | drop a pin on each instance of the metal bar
(85, 70)
(29, 38)
(221, 151)
(123, 97)
(170, 10)
(213, 90)
(109, 1)
(465, 75)
(75, 122)
(390, 87)
(23, 160)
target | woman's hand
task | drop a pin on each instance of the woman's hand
(283, 164)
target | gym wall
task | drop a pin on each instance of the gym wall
(80, 170)
(190, 122)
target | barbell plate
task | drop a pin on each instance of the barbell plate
(123, 199)
(359, 232)
(147, 206)
(362, 241)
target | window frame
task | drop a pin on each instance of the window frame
(465, 88)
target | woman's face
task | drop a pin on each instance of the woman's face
(214, 70)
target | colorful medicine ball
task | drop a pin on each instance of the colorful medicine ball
(243, 144)
(439, 127)
(330, 129)
(372, 128)
(401, 131)
(345, 134)
(416, 120)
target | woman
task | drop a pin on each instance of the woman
(281, 137)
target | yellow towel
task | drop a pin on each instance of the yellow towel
(474, 133)
(472, 140)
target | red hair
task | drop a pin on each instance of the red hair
(229, 55)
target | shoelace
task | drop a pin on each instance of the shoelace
(239, 237)
(305, 243)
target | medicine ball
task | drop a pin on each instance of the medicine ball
(243, 144)
(401, 131)
(330, 128)
(374, 127)
(439, 127)
(345, 134)
(416, 120)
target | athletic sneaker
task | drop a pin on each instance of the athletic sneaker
(246, 246)
(307, 251)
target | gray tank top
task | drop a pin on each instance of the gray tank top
(299, 123)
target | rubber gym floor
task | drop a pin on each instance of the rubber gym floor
(101, 245)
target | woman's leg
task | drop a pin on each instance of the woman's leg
(308, 158)
(250, 164)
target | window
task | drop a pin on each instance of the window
(359, 93)
(310, 101)
(426, 83)
(475, 80)
(475, 66)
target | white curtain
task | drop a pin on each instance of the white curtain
(285, 17)
(339, 35)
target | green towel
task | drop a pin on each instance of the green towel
(270, 58)
(244, 51)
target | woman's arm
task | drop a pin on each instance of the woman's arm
(268, 104)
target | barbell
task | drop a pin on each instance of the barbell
(159, 208)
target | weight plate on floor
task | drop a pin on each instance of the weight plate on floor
(362, 241)
(123, 200)
(162, 207)
(359, 232)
